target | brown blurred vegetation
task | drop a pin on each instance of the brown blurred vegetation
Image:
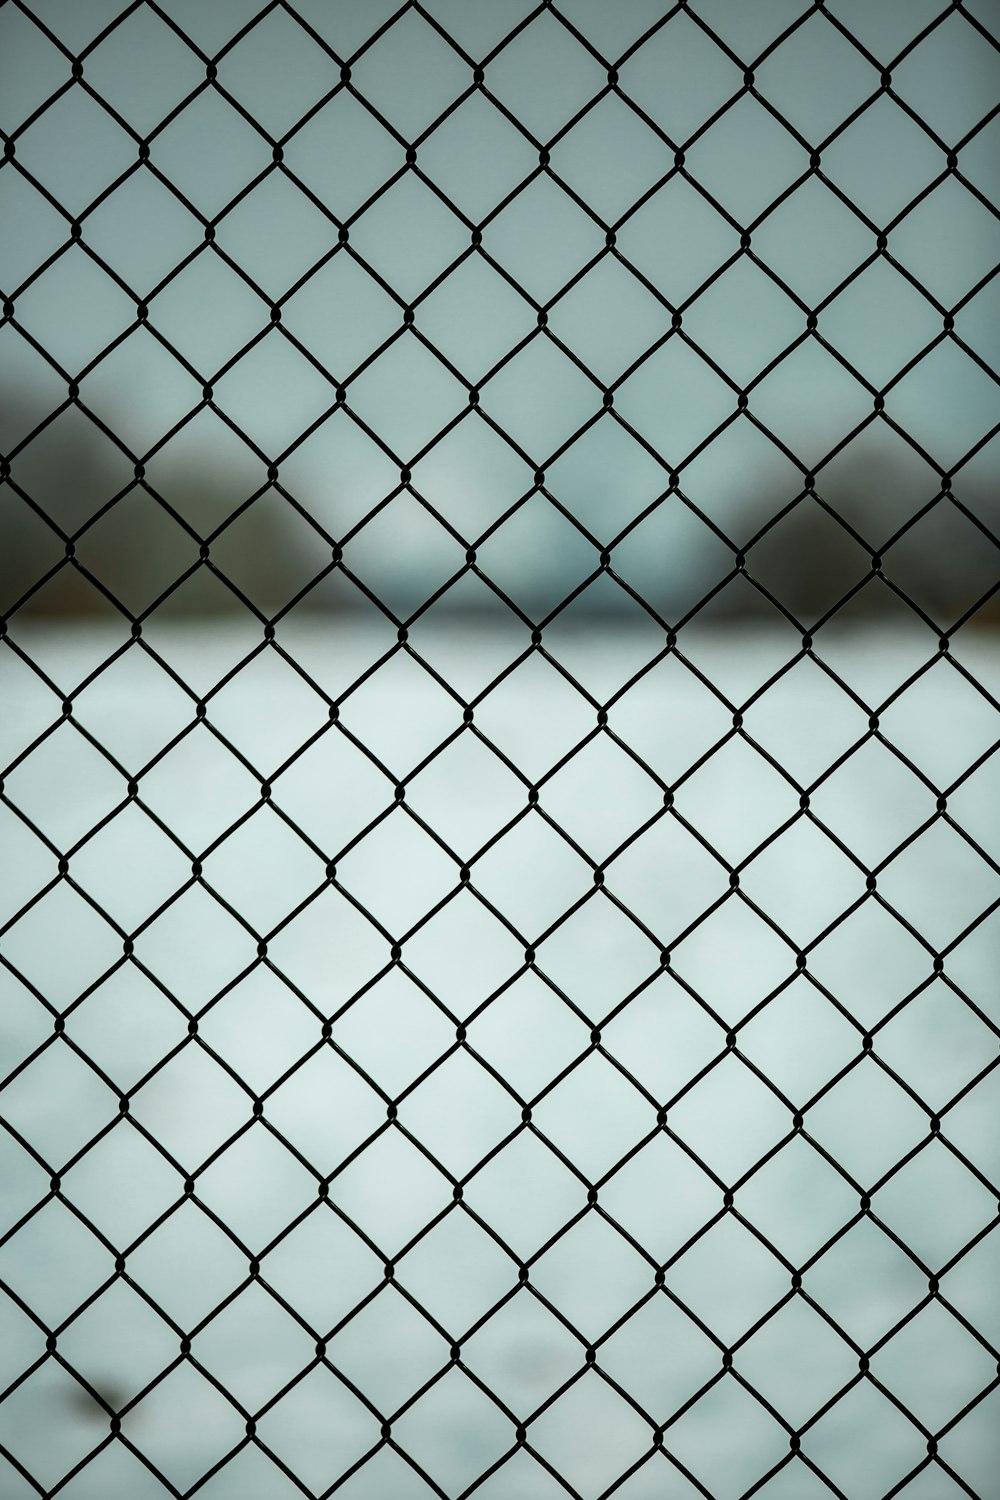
(135, 538)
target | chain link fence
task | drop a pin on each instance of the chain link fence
(498, 769)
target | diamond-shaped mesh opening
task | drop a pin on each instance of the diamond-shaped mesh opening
(893, 1441)
(498, 763)
(147, 1184)
(570, 1436)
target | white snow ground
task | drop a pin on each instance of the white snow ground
(649, 1053)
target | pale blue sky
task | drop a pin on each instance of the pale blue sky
(665, 250)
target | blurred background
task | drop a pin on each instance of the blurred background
(827, 246)
(672, 332)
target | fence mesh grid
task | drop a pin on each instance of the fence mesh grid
(111, 103)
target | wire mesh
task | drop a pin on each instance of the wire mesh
(476, 1025)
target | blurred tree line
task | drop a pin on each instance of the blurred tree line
(78, 525)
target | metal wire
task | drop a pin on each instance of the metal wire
(66, 571)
